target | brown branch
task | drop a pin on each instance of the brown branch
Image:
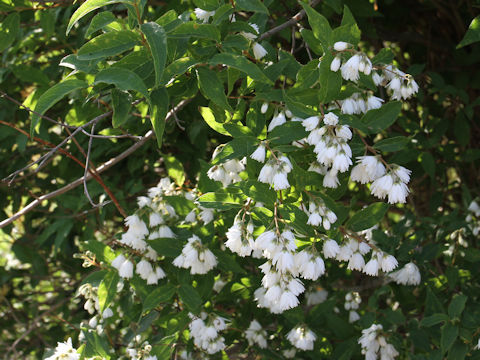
(150, 134)
(295, 19)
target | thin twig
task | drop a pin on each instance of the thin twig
(150, 134)
(295, 19)
(87, 167)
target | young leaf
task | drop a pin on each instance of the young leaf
(368, 217)
(88, 6)
(212, 88)
(209, 118)
(472, 35)
(99, 21)
(158, 111)
(123, 79)
(108, 44)
(121, 107)
(52, 96)
(157, 41)
(107, 289)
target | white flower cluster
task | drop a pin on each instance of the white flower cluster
(319, 214)
(473, 218)
(203, 15)
(196, 256)
(331, 146)
(374, 344)
(228, 172)
(352, 303)
(360, 104)
(256, 335)
(400, 85)
(354, 251)
(408, 275)
(302, 337)
(240, 237)
(205, 332)
(90, 293)
(316, 297)
(350, 69)
(275, 172)
(65, 351)
(258, 50)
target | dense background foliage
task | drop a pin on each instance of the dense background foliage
(40, 269)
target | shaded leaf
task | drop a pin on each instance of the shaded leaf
(157, 41)
(367, 217)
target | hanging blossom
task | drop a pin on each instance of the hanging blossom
(240, 237)
(375, 345)
(258, 50)
(203, 15)
(255, 334)
(331, 147)
(196, 256)
(275, 172)
(302, 337)
(360, 103)
(352, 303)
(316, 296)
(65, 351)
(228, 172)
(358, 62)
(205, 332)
(473, 218)
(400, 85)
(408, 275)
(319, 214)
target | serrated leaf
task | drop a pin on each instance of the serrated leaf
(107, 289)
(99, 21)
(174, 169)
(159, 100)
(121, 105)
(209, 118)
(159, 295)
(320, 26)
(241, 63)
(123, 79)
(87, 7)
(108, 44)
(457, 305)
(377, 120)
(52, 96)
(236, 149)
(190, 297)
(434, 319)
(193, 29)
(157, 41)
(472, 35)
(392, 144)
(251, 5)
(384, 56)
(286, 133)
(330, 81)
(448, 335)
(212, 88)
(368, 217)
(348, 31)
(9, 28)
(220, 200)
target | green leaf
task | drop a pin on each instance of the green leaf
(99, 21)
(227, 262)
(108, 44)
(212, 88)
(190, 297)
(330, 81)
(472, 35)
(209, 118)
(298, 108)
(167, 247)
(251, 5)
(392, 144)
(220, 200)
(121, 104)
(208, 5)
(236, 149)
(191, 28)
(158, 112)
(448, 335)
(107, 289)
(286, 133)
(241, 63)
(348, 31)
(96, 345)
(52, 96)
(174, 169)
(434, 319)
(9, 28)
(157, 41)
(384, 56)
(222, 13)
(320, 26)
(161, 294)
(457, 305)
(377, 120)
(458, 351)
(87, 7)
(312, 42)
(428, 163)
(123, 79)
(368, 217)
(178, 67)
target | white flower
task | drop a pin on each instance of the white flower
(374, 102)
(266, 174)
(398, 193)
(144, 269)
(107, 313)
(264, 108)
(256, 335)
(381, 187)
(371, 267)
(143, 201)
(356, 262)
(65, 350)
(302, 337)
(280, 181)
(258, 51)
(330, 179)
(377, 78)
(340, 45)
(126, 269)
(259, 153)
(335, 64)
(330, 119)
(155, 219)
(316, 297)
(350, 68)
(408, 275)
(118, 261)
(388, 263)
(207, 215)
(191, 217)
(203, 15)
(277, 120)
(330, 249)
(311, 123)
(353, 316)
